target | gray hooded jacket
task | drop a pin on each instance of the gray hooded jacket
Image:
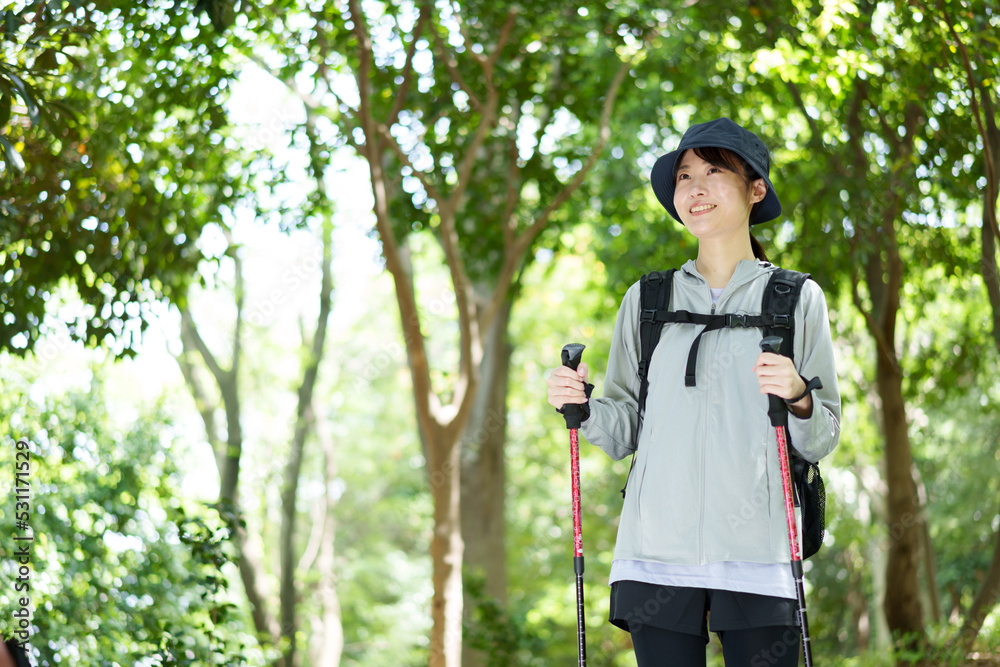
(706, 486)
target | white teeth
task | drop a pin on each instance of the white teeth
(701, 207)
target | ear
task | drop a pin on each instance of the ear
(758, 190)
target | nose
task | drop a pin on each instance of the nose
(696, 186)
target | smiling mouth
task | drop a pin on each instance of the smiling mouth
(701, 207)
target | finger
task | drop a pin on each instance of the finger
(565, 385)
(564, 382)
(558, 399)
(769, 371)
(563, 374)
(771, 359)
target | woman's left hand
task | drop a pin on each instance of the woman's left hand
(776, 375)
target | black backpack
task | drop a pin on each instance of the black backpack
(776, 319)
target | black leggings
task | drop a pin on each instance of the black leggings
(771, 646)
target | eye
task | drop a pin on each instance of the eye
(682, 177)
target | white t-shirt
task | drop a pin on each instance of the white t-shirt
(761, 578)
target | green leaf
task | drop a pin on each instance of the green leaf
(26, 93)
(10, 24)
(4, 111)
(10, 154)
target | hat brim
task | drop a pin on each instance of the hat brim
(662, 179)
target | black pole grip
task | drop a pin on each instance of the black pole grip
(572, 354)
(573, 413)
(776, 409)
(771, 344)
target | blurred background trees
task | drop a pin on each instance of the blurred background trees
(342, 242)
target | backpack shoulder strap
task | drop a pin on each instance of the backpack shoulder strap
(655, 289)
(781, 296)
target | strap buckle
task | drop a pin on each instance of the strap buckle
(782, 321)
(736, 320)
(647, 315)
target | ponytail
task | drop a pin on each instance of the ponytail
(758, 249)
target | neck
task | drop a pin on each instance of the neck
(717, 262)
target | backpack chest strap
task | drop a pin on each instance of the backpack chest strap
(712, 322)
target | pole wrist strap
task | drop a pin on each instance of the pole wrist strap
(815, 383)
(577, 413)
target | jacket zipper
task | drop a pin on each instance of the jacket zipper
(704, 447)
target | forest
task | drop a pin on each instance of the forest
(282, 282)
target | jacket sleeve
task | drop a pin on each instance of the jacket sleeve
(613, 418)
(816, 435)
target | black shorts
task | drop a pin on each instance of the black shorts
(696, 610)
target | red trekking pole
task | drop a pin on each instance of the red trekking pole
(574, 415)
(778, 413)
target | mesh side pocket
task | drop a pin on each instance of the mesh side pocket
(812, 494)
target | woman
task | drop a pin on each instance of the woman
(703, 526)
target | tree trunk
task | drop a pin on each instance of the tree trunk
(483, 477)
(856, 600)
(332, 644)
(877, 247)
(989, 593)
(442, 423)
(227, 454)
(988, 265)
(304, 422)
(287, 594)
(444, 471)
(930, 570)
(985, 600)
(932, 596)
(249, 562)
(902, 596)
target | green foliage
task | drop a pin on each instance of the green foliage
(118, 120)
(522, 132)
(123, 570)
(384, 505)
(491, 629)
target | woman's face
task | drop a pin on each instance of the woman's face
(711, 200)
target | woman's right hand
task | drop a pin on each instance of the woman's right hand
(566, 385)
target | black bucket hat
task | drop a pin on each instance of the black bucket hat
(719, 133)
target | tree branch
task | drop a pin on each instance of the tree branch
(457, 14)
(967, 65)
(523, 242)
(526, 239)
(404, 88)
(432, 191)
(986, 599)
(396, 260)
(508, 224)
(205, 406)
(309, 100)
(304, 409)
(451, 65)
(983, 116)
(884, 347)
(464, 171)
(190, 330)
(508, 27)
